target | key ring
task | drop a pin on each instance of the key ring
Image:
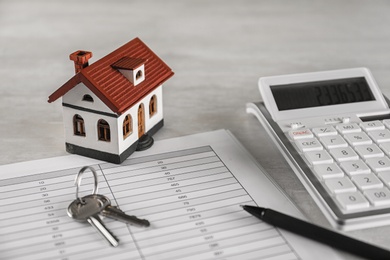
(77, 182)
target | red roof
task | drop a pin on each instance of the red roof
(114, 89)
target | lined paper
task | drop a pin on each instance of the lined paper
(191, 197)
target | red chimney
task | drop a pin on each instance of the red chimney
(80, 59)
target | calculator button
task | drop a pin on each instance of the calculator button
(300, 134)
(324, 131)
(386, 122)
(378, 197)
(340, 185)
(372, 125)
(348, 128)
(344, 154)
(328, 171)
(385, 147)
(333, 141)
(318, 157)
(359, 138)
(380, 136)
(355, 167)
(352, 201)
(306, 145)
(385, 177)
(367, 181)
(369, 151)
(379, 164)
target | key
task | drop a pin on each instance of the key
(117, 214)
(114, 212)
(87, 209)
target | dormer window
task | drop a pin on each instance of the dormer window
(132, 68)
(138, 75)
(87, 98)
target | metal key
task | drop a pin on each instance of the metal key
(87, 209)
(114, 212)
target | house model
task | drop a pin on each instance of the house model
(112, 107)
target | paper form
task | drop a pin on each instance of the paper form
(189, 188)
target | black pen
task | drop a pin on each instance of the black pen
(318, 233)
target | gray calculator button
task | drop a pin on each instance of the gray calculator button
(360, 138)
(380, 136)
(310, 144)
(355, 167)
(300, 134)
(379, 164)
(333, 141)
(340, 185)
(344, 154)
(348, 128)
(367, 181)
(369, 151)
(378, 197)
(318, 157)
(385, 177)
(352, 201)
(328, 171)
(324, 131)
(372, 125)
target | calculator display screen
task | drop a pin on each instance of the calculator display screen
(321, 93)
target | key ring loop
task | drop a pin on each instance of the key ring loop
(77, 182)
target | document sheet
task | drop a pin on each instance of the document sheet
(189, 188)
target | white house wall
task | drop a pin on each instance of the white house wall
(149, 121)
(117, 145)
(90, 140)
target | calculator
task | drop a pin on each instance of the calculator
(333, 128)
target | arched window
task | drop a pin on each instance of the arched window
(78, 125)
(127, 126)
(138, 75)
(153, 106)
(88, 98)
(104, 133)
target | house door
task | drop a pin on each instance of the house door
(141, 120)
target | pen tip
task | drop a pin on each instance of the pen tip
(256, 211)
(246, 207)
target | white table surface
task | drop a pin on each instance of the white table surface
(217, 49)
